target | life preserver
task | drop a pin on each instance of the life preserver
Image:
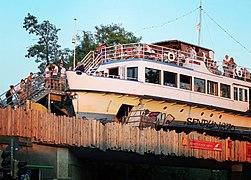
(171, 56)
(239, 72)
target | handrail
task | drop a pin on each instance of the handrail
(3, 97)
(87, 60)
(96, 62)
(173, 56)
(31, 90)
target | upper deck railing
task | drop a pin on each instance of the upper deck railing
(174, 56)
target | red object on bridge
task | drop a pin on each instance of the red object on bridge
(248, 150)
(206, 145)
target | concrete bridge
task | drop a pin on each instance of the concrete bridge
(87, 149)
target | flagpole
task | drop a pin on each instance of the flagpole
(200, 23)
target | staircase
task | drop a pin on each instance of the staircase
(34, 93)
(37, 90)
(91, 62)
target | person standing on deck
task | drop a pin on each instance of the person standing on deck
(20, 91)
(47, 73)
(225, 66)
(232, 67)
(194, 53)
(62, 77)
(9, 95)
(200, 54)
(55, 76)
(29, 84)
(79, 67)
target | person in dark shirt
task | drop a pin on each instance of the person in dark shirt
(80, 67)
(9, 95)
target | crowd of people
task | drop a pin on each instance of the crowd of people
(178, 57)
(22, 90)
(55, 76)
(153, 52)
(54, 79)
(228, 66)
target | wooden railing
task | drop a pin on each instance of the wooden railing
(49, 129)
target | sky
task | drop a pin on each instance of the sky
(154, 21)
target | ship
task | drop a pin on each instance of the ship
(170, 77)
(170, 84)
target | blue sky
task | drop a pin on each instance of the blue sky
(143, 17)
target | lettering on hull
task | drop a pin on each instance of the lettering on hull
(210, 124)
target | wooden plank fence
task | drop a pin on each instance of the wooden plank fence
(50, 129)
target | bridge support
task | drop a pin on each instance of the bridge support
(69, 166)
(237, 171)
(62, 163)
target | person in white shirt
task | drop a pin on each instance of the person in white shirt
(20, 91)
(194, 53)
(47, 73)
(55, 76)
(225, 65)
(62, 77)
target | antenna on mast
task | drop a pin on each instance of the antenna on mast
(74, 39)
(199, 25)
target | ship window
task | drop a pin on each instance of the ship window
(241, 94)
(235, 93)
(212, 88)
(170, 79)
(185, 82)
(245, 95)
(132, 73)
(114, 72)
(199, 85)
(152, 76)
(225, 90)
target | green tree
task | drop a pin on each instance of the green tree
(46, 50)
(86, 44)
(114, 34)
(110, 34)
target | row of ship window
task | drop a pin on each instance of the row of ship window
(170, 79)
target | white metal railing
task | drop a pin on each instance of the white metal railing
(93, 65)
(168, 55)
(87, 60)
(29, 90)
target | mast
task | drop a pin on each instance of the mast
(199, 25)
(74, 43)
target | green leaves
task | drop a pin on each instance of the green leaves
(109, 34)
(114, 34)
(46, 49)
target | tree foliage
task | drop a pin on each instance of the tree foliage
(86, 44)
(114, 34)
(46, 49)
(109, 34)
